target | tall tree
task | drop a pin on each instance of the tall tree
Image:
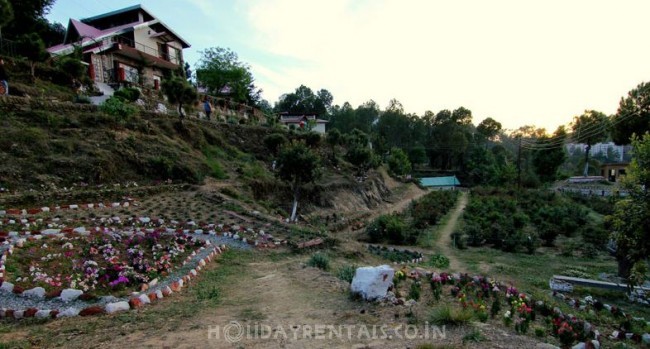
(305, 101)
(221, 72)
(550, 154)
(633, 115)
(297, 165)
(398, 162)
(6, 14)
(631, 218)
(488, 128)
(179, 92)
(590, 128)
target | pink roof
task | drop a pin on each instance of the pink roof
(84, 29)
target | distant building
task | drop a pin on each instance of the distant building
(614, 172)
(440, 183)
(129, 45)
(597, 148)
(304, 122)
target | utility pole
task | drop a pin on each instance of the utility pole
(519, 164)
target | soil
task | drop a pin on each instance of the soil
(444, 243)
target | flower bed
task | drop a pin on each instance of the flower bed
(114, 263)
(520, 311)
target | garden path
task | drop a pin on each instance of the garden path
(444, 236)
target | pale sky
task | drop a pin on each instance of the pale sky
(519, 62)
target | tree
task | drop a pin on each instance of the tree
(6, 14)
(274, 142)
(304, 102)
(633, 115)
(333, 138)
(398, 162)
(179, 91)
(590, 128)
(297, 165)
(631, 217)
(28, 17)
(221, 72)
(550, 155)
(32, 47)
(488, 128)
(417, 154)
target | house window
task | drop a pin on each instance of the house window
(130, 73)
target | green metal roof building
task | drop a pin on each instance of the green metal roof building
(440, 182)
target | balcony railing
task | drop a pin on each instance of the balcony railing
(147, 49)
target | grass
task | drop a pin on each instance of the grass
(447, 315)
(346, 272)
(473, 336)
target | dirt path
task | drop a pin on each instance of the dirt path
(444, 235)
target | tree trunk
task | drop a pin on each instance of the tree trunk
(624, 267)
(295, 204)
(586, 171)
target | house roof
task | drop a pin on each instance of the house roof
(449, 181)
(87, 32)
(295, 119)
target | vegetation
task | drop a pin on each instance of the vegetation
(297, 165)
(631, 218)
(221, 72)
(179, 92)
(319, 261)
(513, 221)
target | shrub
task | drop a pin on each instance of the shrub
(274, 142)
(319, 261)
(346, 272)
(414, 291)
(439, 261)
(82, 99)
(446, 315)
(312, 139)
(116, 107)
(129, 94)
(390, 228)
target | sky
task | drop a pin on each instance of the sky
(520, 62)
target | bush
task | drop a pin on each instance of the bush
(319, 261)
(438, 261)
(116, 107)
(391, 228)
(346, 273)
(274, 142)
(129, 94)
(312, 139)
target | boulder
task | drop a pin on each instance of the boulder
(372, 283)
(36, 292)
(70, 294)
(117, 306)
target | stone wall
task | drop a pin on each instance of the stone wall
(10, 103)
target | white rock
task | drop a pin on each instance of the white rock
(7, 287)
(70, 312)
(70, 294)
(560, 286)
(50, 231)
(117, 306)
(36, 292)
(144, 299)
(19, 314)
(74, 207)
(580, 345)
(80, 230)
(42, 314)
(372, 282)
(159, 294)
(144, 220)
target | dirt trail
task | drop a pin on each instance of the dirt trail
(444, 235)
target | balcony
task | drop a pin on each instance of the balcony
(151, 56)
